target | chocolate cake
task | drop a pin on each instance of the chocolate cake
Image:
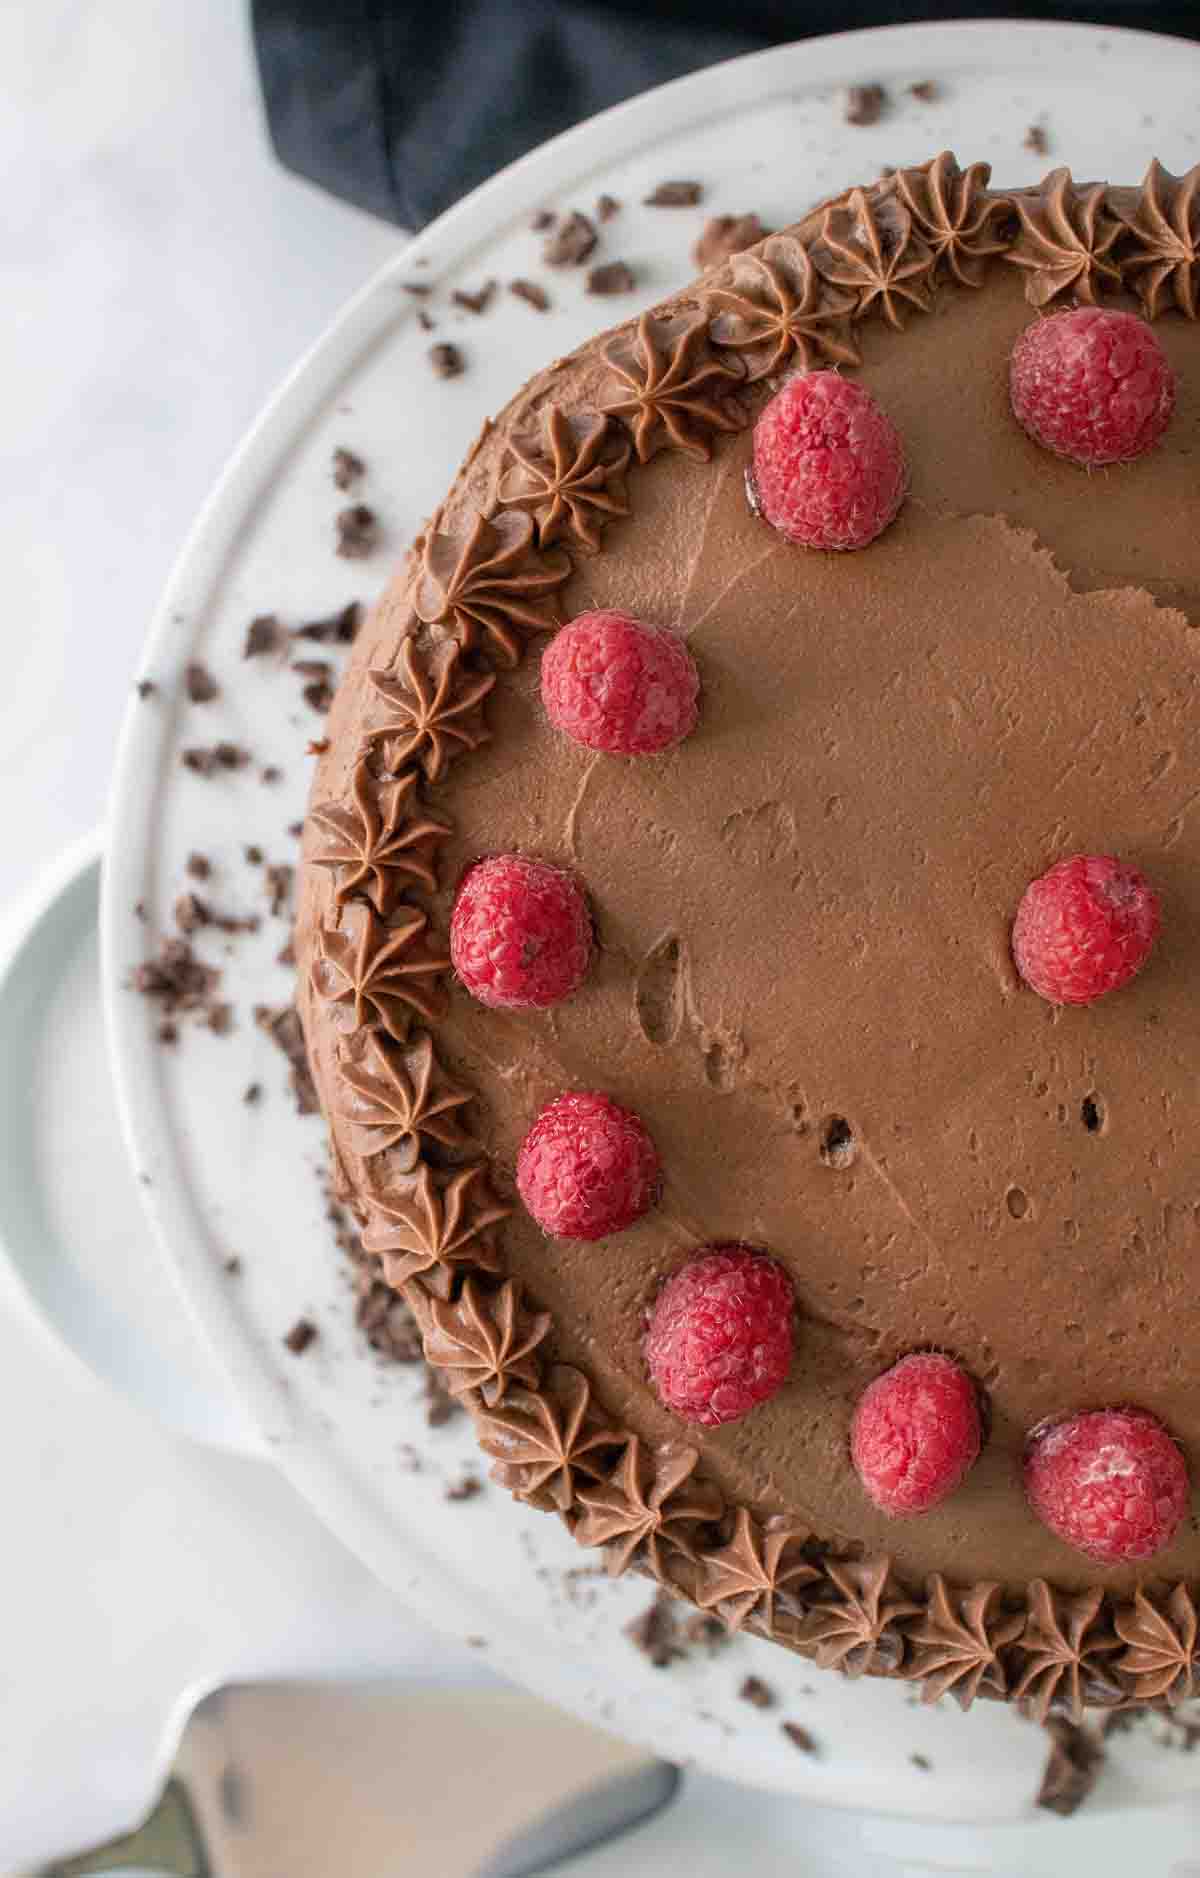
(802, 980)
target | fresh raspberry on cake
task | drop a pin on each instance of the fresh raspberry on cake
(828, 464)
(520, 933)
(915, 1433)
(1092, 384)
(1085, 928)
(614, 683)
(719, 1340)
(1112, 1483)
(587, 1167)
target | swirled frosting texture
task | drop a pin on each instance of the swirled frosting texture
(892, 744)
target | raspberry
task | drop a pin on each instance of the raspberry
(520, 933)
(829, 469)
(915, 1433)
(719, 1340)
(1084, 929)
(1112, 1483)
(613, 683)
(1092, 384)
(587, 1167)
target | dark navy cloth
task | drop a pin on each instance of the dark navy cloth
(401, 106)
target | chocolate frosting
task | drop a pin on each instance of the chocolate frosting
(802, 918)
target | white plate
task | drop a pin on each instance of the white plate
(763, 133)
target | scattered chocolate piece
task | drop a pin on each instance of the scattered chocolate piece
(139, 911)
(446, 360)
(233, 1265)
(286, 955)
(923, 1762)
(319, 695)
(347, 468)
(703, 1628)
(865, 104)
(382, 1315)
(1072, 1768)
(529, 291)
(282, 1023)
(338, 630)
(190, 912)
(200, 684)
(220, 1019)
(205, 762)
(606, 207)
(302, 1333)
(234, 922)
(426, 324)
(176, 979)
(465, 1489)
(927, 91)
(198, 866)
(674, 196)
(476, 1643)
(253, 854)
(264, 634)
(571, 242)
(726, 235)
(357, 532)
(316, 746)
(758, 1693)
(168, 1033)
(475, 302)
(252, 1094)
(440, 1405)
(146, 688)
(295, 830)
(279, 887)
(1037, 140)
(886, 170)
(271, 775)
(545, 218)
(418, 288)
(612, 277)
(653, 1633)
(229, 756)
(313, 669)
(799, 1737)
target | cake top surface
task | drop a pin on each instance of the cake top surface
(803, 981)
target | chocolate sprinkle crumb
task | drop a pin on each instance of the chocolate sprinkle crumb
(726, 235)
(283, 1025)
(295, 830)
(571, 242)
(381, 1313)
(440, 1405)
(865, 104)
(264, 634)
(347, 468)
(253, 854)
(531, 293)
(233, 1265)
(923, 1762)
(200, 684)
(271, 775)
(703, 1628)
(312, 668)
(418, 288)
(168, 1033)
(146, 688)
(190, 912)
(758, 1693)
(316, 746)
(446, 360)
(357, 532)
(220, 1019)
(478, 302)
(252, 1094)
(612, 277)
(926, 92)
(799, 1737)
(176, 979)
(205, 762)
(279, 887)
(302, 1333)
(653, 1633)
(424, 322)
(319, 695)
(606, 207)
(545, 218)
(338, 630)
(286, 954)
(1072, 1768)
(198, 866)
(139, 911)
(674, 196)
(1037, 141)
(465, 1489)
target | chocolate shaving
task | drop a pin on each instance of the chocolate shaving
(347, 468)
(1072, 1767)
(865, 104)
(465, 1489)
(446, 360)
(190, 912)
(271, 775)
(357, 532)
(923, 1762)
(206, 762)
(320, 696)
(316, 746)
(571, 242)
(440, 1405)
(283, 1025)
(264, 634)
(418, 288)
(674, 196)
(220, 1019)
(302, 1333)
(233, 1265)
(286, 954)
(475, 302)
(612, 277)
(758, 1693)
(381, 1313)
(295, 830)
(653, 1633)
(426, 324)
(168, 1033)
(146, 688)
(606, 207)
(279, 887)
(799, 1737)
(926, 91)
(177, 981)
(727, 235)
(338, 630)
(200, 684)
(531, 293)
(312, 668)
(253, 854)
(1036, 139)
(252, 1094)
(198, 866)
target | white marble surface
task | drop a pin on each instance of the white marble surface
(158, 273)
